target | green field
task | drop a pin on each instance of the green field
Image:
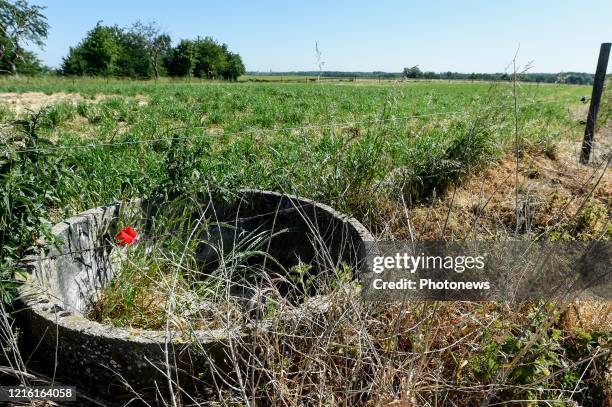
(326, 141)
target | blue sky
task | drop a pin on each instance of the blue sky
(463, 36)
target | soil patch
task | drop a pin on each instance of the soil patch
(34, 101)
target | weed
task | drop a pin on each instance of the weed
(31, 184)
(59, 114)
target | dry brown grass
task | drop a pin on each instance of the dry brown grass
(483, 206)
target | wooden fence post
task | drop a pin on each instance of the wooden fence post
(598, 84)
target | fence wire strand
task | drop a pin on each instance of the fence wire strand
(260, 130)
(34, 258)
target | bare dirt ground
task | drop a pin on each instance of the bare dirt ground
(22, 102)
(34, 101)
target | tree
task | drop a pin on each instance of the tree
(181, 59)
(108, 50)
(21, 24)
(73, 63)
(234, 67)
(29, 64)
(100, 50)
(143, 51)
(210, 58)
(154, 41)
(413, 72)
(204, 58)
(132, 57)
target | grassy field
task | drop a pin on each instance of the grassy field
(424, 160)
(302, 138)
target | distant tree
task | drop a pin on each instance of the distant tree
(20, 24)
(560, 78)
(210, 58)
(575, 78)
(29, 64)
(156, 43)
(109, 50)
(413, 72)
(143, 51)
(204, 58)
(100, 50)
(133, 59)
(73, 63)
(181, 59)
(568, 77)
(234, 67)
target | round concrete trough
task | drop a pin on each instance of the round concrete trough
(64, 281)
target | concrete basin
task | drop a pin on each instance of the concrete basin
(65, 280)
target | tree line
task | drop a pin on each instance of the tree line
(577, 78)
(144, 51)
(139, 51)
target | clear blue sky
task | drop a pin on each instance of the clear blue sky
(357, 35)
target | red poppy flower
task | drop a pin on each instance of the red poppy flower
(127, 236)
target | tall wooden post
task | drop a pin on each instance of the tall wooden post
(598, 84)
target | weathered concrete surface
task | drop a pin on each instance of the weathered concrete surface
(64, 282)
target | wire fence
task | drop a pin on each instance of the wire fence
(347, 124)
(368, 121)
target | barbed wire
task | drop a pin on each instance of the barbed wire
(251, 131)
(238, 133)
(260, 130)
(155, 238)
